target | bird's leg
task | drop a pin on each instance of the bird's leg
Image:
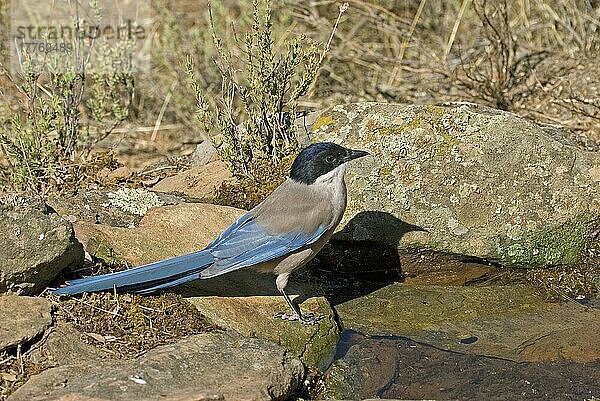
(297, 314)
(295, 308)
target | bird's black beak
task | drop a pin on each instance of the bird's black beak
(352, 154)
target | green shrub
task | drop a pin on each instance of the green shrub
(54, 129)
(266, 87)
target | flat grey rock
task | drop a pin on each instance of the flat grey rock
(508, 322)
(210, 366)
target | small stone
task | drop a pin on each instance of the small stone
(269, 317)
(22, 319)
(199, 182)
(204, 154)
(35, 246)
(120, 173)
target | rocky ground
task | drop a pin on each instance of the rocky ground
(430, 289)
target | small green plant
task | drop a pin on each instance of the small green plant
(42, 142)
(266, 87)
(111, 90)
(34, 142)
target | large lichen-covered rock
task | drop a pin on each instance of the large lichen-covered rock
(35, 246)
(466, 180)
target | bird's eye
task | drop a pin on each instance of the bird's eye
(329, 159)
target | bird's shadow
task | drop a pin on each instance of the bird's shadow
(345, 269)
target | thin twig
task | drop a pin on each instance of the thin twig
(163, 127)
(405, 42)
(95, 307)
(162, 111)
(461, 12)
(343, 9)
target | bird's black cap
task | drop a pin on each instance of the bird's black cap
(319, 159)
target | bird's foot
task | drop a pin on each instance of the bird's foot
(308, 319)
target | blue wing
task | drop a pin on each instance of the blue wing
(243, 244)
(246, 243)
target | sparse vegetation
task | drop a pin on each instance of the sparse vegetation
(499, 70)
(249, 64)
(53, 132)
(253, 120)
(127, 325)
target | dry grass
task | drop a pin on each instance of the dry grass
(537, 59)
(15, 371)
(127, 325)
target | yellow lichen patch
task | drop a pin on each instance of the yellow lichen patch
(395, 130)
(433, 109)
(385, 171)
(449, 140)
(322, 121)
(413, 124)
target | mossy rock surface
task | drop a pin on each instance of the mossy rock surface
(465, 180)
(253, 316)
(512, 322)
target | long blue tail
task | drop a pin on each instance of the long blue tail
(147, 278)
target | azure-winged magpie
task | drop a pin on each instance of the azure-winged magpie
(279, 235)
